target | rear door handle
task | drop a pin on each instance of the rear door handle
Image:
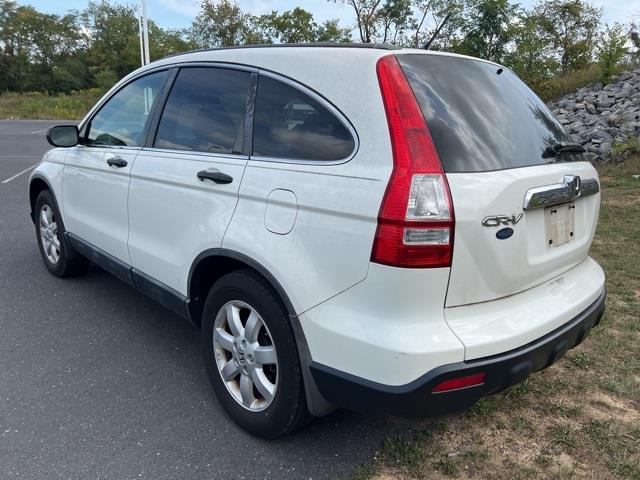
(117, 162)
(215, 176)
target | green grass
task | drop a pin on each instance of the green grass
(557, 87)
(563, 436)
(579, 418)
(36, 105)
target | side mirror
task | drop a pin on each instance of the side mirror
(63, 136)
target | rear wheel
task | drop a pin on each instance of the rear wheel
(58, 256)
(251, 356)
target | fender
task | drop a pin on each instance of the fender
(231, 254)
(40, 176)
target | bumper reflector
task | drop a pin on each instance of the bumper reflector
(460, 382)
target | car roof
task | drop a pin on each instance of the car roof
(311, 48)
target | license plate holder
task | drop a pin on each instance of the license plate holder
(560, 222)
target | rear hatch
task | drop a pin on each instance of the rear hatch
(524, 213)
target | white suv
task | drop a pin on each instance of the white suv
(385, 230)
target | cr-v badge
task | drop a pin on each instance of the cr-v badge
(497, 220)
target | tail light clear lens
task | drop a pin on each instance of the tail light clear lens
(427, 199)
(416, 219)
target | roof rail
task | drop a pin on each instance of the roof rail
(377, 46)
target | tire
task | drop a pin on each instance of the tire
(57, 254)
(283, 408)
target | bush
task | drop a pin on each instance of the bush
(611, 50)
(105, 79)
(556, 87)
(626, 149)
(36, 105)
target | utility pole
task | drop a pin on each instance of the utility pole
(144, 34)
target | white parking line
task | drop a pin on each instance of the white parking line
(19, 173)
(39, 131)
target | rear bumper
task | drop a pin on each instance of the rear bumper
(416, 399)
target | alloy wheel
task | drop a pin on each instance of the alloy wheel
(49, 234)
(245, 355)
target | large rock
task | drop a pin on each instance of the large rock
(600, 116)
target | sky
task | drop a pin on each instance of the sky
(180, 13)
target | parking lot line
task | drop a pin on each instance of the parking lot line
(19, 173)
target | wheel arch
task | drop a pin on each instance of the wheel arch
(37, 184)
(211, 265)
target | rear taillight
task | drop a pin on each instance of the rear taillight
(416, 221)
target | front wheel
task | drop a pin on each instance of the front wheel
(251, 356)
(58, 256)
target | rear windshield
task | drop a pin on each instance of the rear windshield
(481, 117)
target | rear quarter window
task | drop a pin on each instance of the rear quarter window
(482, 117)
(289, 124)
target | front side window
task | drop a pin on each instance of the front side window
(289, 124)
(205, 111)
(122, 119)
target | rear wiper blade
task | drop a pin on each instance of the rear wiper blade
(562, 148)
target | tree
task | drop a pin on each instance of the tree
(572, 26)
(414, 23)
(222, 24)
(367, 17)
(298, 26)
(611, 50)
(331, 31)
(489, 29)
(111, 36)
(164, 42)
(394, 18)
(531, 55)
(38, 50)
(292, 26)
(446, 19)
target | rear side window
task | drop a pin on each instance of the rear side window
(205, 111)
(290, 124)
(481, 117)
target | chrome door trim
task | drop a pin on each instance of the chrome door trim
(571, 188)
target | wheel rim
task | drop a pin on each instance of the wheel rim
(245, 355)
(49, 234)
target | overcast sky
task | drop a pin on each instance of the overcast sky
(179, 13)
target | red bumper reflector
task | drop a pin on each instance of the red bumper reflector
(460, 382)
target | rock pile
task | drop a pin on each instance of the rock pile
(601, 117)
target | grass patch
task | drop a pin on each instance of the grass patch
(580, 418)
(364, 472)
(37, 105)
(564, 436)
(446, 465)
(557, 87)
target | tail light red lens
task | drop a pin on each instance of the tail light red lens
(416, 220)
(460, 382)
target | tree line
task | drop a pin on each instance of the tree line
(96, 46)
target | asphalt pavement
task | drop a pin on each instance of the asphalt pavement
(98, 381)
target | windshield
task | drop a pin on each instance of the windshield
(481, 116)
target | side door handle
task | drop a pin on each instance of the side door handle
(215, 176)
(117, 162)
